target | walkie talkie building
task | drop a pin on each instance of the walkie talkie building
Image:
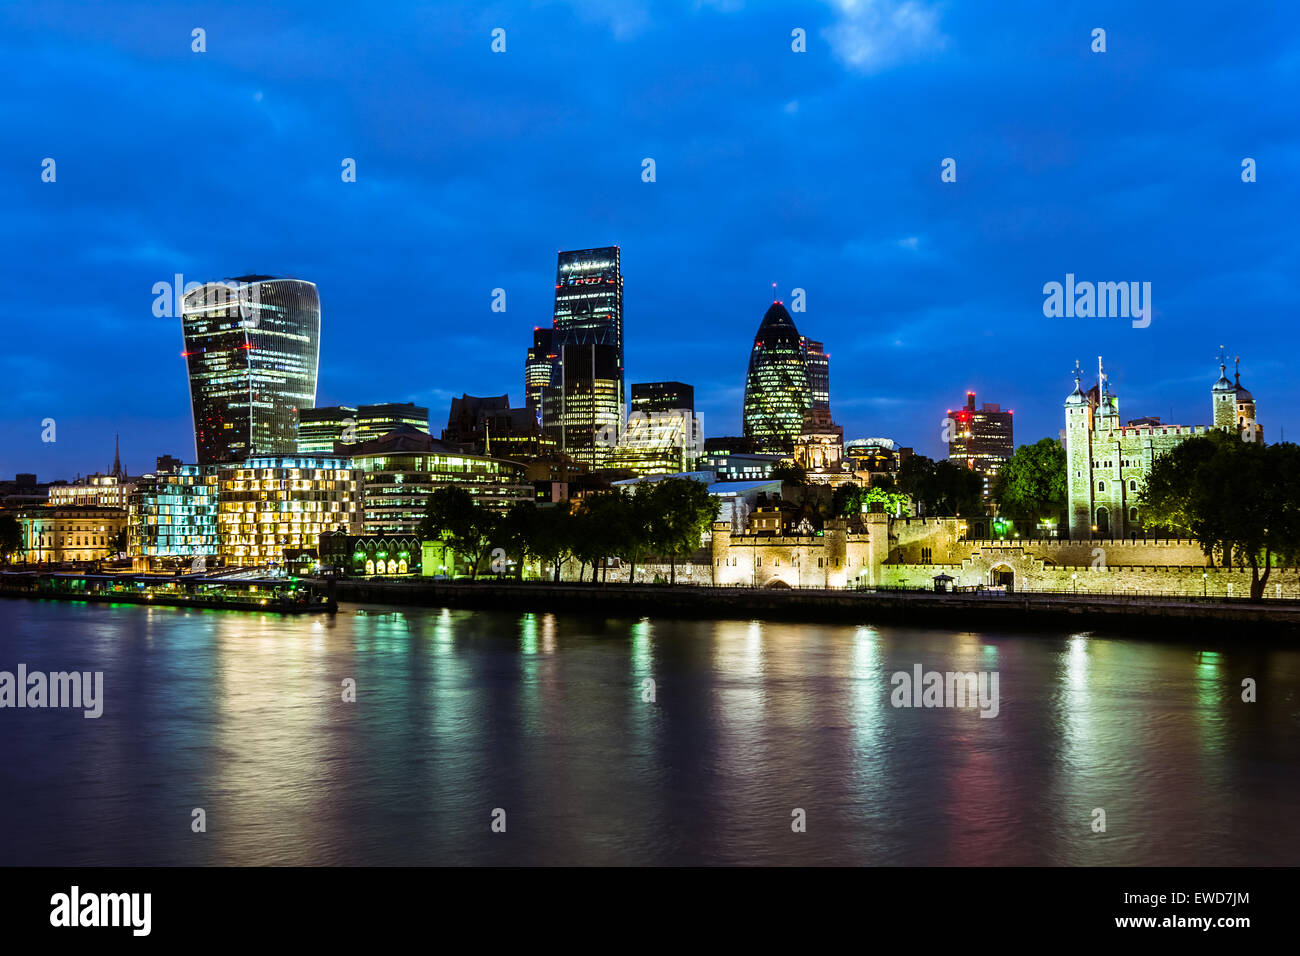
(252, 345)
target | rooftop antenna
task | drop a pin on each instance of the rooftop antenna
(773, 291)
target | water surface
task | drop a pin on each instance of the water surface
(459, 713)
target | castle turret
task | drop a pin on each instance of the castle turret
(1247, 425)
(1224, 397)
(1078, 457)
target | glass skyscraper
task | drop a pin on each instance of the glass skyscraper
(819, 372)
(541, 369)
(777, 392)
(582, 412)
(252, 345)
(589, 312)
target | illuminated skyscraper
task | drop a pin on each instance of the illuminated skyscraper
(776, 389)
(252, 345)
(581, 412)
(980, 439)
(819, 373)
(541, 369)
(589, 305)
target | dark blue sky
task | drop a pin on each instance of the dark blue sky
(818, 170)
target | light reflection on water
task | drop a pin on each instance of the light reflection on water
(458, 713)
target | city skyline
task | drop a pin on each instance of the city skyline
(920, 289)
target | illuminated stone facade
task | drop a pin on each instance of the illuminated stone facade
(1107, 462)
(70, 533)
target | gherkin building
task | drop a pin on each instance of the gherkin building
(776, 389)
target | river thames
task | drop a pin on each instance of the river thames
(753, 726)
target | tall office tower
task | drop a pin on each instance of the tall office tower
(320, 428)
(589, 306)
(251, 345)
(540, 369)
(582, 413)
(980, 439)
(819, 372)
(662, 397)
(776, 388)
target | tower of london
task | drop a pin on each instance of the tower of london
(1107, 461)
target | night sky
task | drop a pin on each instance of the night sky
(816, 170)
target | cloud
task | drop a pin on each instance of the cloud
(873, 35)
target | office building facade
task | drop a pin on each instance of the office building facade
(541, 369)
(588, 343)
(777, 392)
(252, 345)
(172, 519)
(399, 471)
(267, 506)
(818, 363)
(980, 439)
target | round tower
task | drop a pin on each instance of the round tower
(1247, 425)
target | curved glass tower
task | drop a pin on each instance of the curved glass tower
(252, 345)
(777, 392)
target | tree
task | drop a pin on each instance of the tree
(941, 488)
(790, 473)
(1031, 485)
(551, 536)
(636, 529)
(915, 478)
(893, 501)
(598, 528)
(1238, 500)
(846, 500)
(849, 499)
(514, 533)
(11, 537)
(682, 510)
(454, 516)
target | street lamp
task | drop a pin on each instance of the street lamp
(1075, 578)
(1204, 583)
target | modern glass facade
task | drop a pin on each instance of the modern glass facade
(320, 428)
(266, 506)
(589, 305)
(375, 421)
(396, 486)
(819, 373)
(776, 387)
(662, 397)
(583, 415)
(173, 517)
(252, 346)
(541, 369)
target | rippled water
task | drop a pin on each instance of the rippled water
(459, 713)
